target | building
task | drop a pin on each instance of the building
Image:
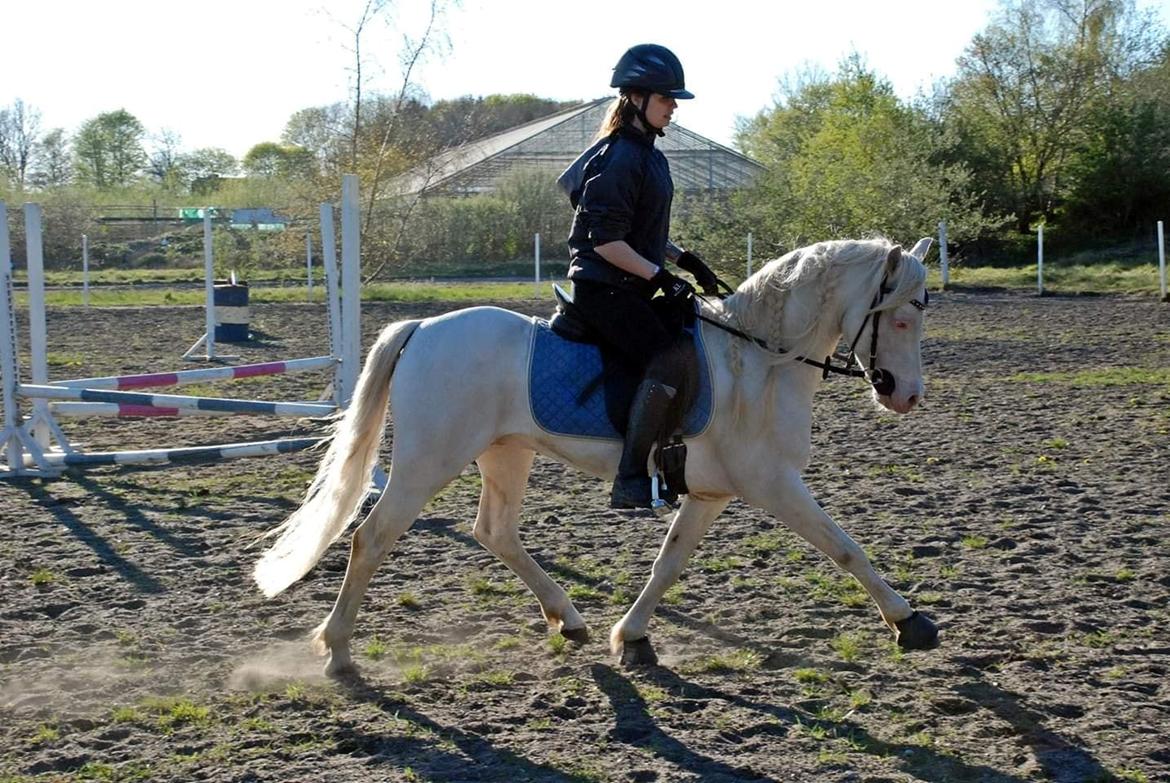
(550, 144)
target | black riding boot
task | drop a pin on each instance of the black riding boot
(631, 489)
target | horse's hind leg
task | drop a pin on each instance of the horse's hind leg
(391, 516)
(505, 470)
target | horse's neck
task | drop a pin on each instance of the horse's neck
(762, 387)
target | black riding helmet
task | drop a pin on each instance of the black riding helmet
(651, 68)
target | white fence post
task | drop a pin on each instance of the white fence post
(1040, 260)
(536, 285)
(943, 260)
(1162, 262)
(749, 259)
(85, 270)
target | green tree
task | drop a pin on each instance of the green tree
(54, 165)
(271, 160)
(108, 150)
(846, 157)
(19, 126)
(1026, 87)
(1118, 181)
(204, 169)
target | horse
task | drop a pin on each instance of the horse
(457, 388)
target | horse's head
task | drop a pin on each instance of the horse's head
(885, 326)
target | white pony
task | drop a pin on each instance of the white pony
(460, 394)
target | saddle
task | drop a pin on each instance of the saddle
(582, 388)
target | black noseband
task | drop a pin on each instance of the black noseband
(883, 381)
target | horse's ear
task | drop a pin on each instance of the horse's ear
(921, 248)
(893, 258)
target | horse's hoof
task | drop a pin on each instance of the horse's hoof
(638, 652)
(917, 632)
(341, 669)
(579, 636)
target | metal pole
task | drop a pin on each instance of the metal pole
(85, 270)
(37, 333)
(536, 285)
(208, 286)
(1162, 261)
(943, 260)
(1040, 261)
(749, 260)
(309, 262)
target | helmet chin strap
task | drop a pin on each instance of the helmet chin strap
(649, 128)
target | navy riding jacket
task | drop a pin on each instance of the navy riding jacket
(626, 194)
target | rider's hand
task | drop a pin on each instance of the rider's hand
(702, 273)
(676, 290)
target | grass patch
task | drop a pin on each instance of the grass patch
(1060, 278)
(376, 649)
(1102, 377)
(730, 663)
(130, 292)
(42, 576)
(848, 646)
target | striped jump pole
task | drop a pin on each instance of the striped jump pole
(227, 451)
(183, 377)
(78, 410)
(43, 392)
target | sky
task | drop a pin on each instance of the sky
(229, 73)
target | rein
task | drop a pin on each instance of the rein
(882, 381)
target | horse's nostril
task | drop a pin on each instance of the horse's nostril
(913, 400)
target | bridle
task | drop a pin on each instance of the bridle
(882, 380)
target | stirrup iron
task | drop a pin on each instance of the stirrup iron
(659, 506)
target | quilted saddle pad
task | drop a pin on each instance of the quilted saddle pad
(560, 370)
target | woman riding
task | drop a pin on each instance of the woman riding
(619, 244)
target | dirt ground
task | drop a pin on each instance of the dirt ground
(1023, 507)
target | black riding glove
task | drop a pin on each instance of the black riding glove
(702, 273)
(677, 291)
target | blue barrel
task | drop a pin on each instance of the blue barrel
(231, 312)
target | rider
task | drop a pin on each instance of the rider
(618, 245)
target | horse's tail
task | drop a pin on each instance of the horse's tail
(334, 498)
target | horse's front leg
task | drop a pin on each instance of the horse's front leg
(787, 498)
(628, 637)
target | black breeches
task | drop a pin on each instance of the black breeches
(630, 326)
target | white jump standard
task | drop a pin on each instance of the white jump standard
(27, 443)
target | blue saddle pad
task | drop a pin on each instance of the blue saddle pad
(560, 370)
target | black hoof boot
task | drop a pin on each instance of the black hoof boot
(578, 636)
(638, 652)
(917, 632)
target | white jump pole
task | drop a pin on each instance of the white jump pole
(309, 262)
(749, 257)
(1162, 261)
(351, 238)
(1040, 260)
(37, 333)
(943, 260)
(536, 256)
(85, 270)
